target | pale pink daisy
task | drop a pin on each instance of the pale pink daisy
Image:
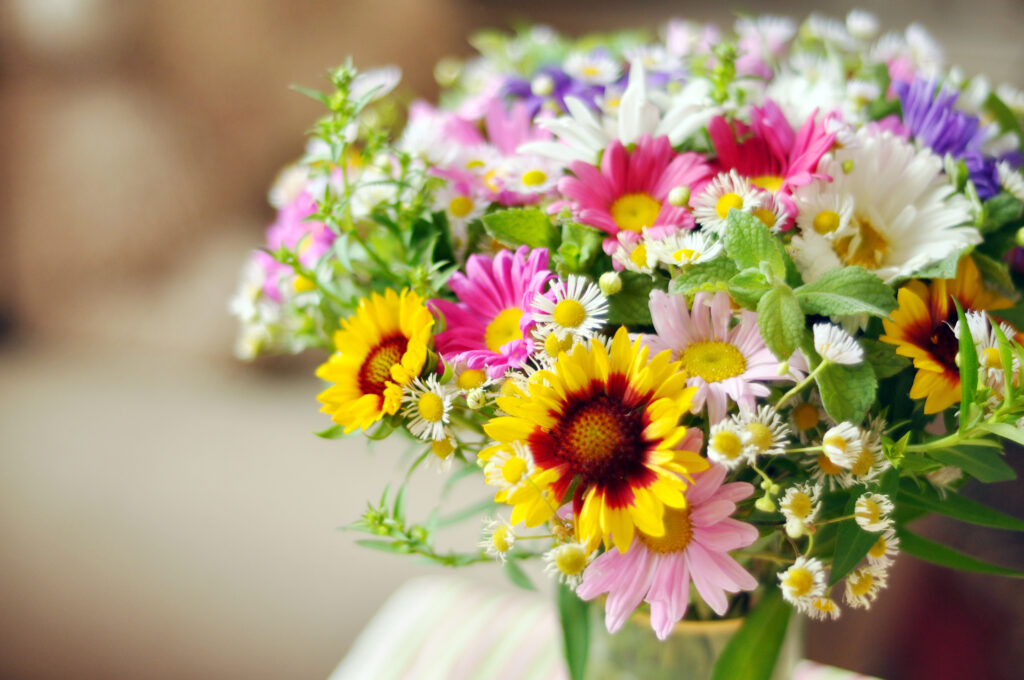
(696, 546)
(724, 361)
(490, 327)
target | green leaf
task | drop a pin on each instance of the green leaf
(580, 245)
(522, 226)
(1006, 431)
(630, 305)
(956, 506)
(943, 269)
(984, 464)
(781, 322)
(968, 367)
(847, 392)
(517, 576)
(1008, 122)
(752, 652)
(847, 290)
(333, 432)
(575, 619)
(749, 243)
(883, 358)
(853, 543)
(381, 545)
(1006, 359)
(998, 211)
(944, 556)
(748, 287)
(709, 276)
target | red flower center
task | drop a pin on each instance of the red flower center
(376, 369)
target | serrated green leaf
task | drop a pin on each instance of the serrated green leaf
(847, 392)
(630, 306)
(984, 464)
(517, 576)
(883, 358)
(847, 290)
(712, 275)
(944, 556)
(957, 507)
(747, 287)
(943, 269)
(968, 366)
(574, 615)
(749, 243)
(853, 543)
(998, 211)
(333, 432)
(580, 245)
(781, 321)
(522, 227)
(752, 652)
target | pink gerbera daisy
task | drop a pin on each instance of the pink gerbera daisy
(724, 361)
(292, 230)
(696, 545)
(489, 328)
(630, 191)
(771, 155)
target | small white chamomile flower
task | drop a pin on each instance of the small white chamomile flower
(567, 562)
(885, 549)
(872, 512)
(836, 345)
(530, 175)
(800, 506)
(767, 433)
(597, 67)
(805, 415)
(727, 191)
(508, 467)
(684, 248)
(729, 444)
(842, 444)
(1011, 180)
(498, 538)
(871, 461)
(442, 453)
(633, 255)
(803, 583)
(863, 584)
(428, 408)
(823, 608)
(579, 308)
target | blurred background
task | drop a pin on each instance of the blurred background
(165, 511)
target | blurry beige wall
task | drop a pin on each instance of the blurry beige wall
(163, 511)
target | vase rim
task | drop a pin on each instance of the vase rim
(687, 626)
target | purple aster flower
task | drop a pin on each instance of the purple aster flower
(549, 84)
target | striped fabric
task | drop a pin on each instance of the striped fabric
(445, 628)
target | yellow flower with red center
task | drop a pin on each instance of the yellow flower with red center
(922, 330)
(380, 349)
(608, 420)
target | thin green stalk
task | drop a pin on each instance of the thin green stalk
(802, 384)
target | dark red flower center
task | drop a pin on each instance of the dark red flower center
(376, 369)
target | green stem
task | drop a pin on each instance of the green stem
(802, 384)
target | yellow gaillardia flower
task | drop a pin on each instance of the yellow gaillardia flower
(607, 419)
(379, 350)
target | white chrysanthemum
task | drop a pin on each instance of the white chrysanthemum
(597, 67)
(905, 214)
(727, 191)
(863, 585)
(428, 406)
(653, 58)
(862, 24)
(800, 506)
(498, 538)
(683, 248)
(885, 549)
(508, 467)
(836, 345)
(729, 444)
(767, 433)
(579, 308)
(822, 210)
(833, 33)
(1012, 181)
(841, 444)
(567, 562)
(807, 83)
(823, 608)
(803, 582)
(872, 512)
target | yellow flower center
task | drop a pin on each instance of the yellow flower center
(827, 466)
(569, 313)
(728, 202)
(639, 256)
(686, 255)
(430, 407)
(727, 444)
(867, 248)
(590, 70)
(471, 378)
(442, 448)
(301, 284)
(513, 469)
(768, 182)
(860, 582)
(678, 532)
(596, 432)
(500, 539)
(799, 505)
(375, 373)
(879, 548)
(491, 180)
(835, 442)
(869, 511)
(534, 178)
(713, 361)
(766, 216)
(990, 358)
(823, 604)
(863, 464)
(553, 346)
(473, 164)
(460, 206)
(761, 436)
(503, 329)
(826, 222)
(571, 560)
(799, 581)
(633, 212)
(806, 416)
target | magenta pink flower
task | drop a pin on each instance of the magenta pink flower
(629, 192)
(309, 240)
(489, 328)
(696, 546)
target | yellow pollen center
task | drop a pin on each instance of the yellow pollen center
(473, 164)
(633, 212)
(470, 379)
(727, 444)
(990, 358)
(442, 449)
(826, 222)
(678, 532)
(686, 255)
(878, 549)
(491, 180)
(867, 248)
(500, 539)
(553, 346)
(726, 203)
(799, 581)
(513, 469)
(870, 511)
(806, 416)
(799, 505)
(824, 605)
(761, 436)
(834, 442)
(766, 216)
(569, 313)
(639, 256)
(863, 464)
(768, 182)
(827, 466)
(571, 560)
(860, 583)
(590, 70)
(595, 434)
(535, 178)
(460, 206)
(430, 407)
(301, 284)
(713, 361)
(503, 329)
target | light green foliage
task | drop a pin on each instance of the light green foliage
(751, 245)
(781, 322)
(703, 276)
(847, 392)
(522, 227)
(630, 306)
(579, 248)
(752, 652)
(846, 291)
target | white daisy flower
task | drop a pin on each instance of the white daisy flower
(767, 433)
(986, 344)
(836, 345)
(498, 538)
(831, 32)
(727, 191)
(467, 379)
(772, 213)
(1011, 180)
(508, 468)
(567, 562)
(823, 608)
(863, 584)
(872, 512)
(579, 308)
(905, 214)
(428, 406)
(871, 461)
(530, 174)
(653, 58)
(633, 255)
(460, 207)
(597, 67)
(805, 415)
(800, 506)
(729, 444)
(803, 582)
(885, 549)
(862, 24)
(842, 444)
(443, 451)
(683, 248)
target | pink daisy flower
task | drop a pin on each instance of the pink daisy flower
(772, 156)
(696, 546)
(629, 192)
(309, 240)
(489, 328)
(724, 361)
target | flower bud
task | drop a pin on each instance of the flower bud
(1020, 237)
(610, 283)
(679, 196)
(765, 504)
(475, 398)
(542, 85)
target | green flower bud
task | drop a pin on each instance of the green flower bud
(679, 196)
(765, 504)
(610, 283)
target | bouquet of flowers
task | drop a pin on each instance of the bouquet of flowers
(714, 315)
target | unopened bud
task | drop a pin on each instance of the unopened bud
(765, 485)
(475, 398)
(765, 504)
(783, 368)
(679, 196)
(794, 529)
(1020, 237)
(542, 85)
(774, 489)
(610, 283)
(847, 167)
